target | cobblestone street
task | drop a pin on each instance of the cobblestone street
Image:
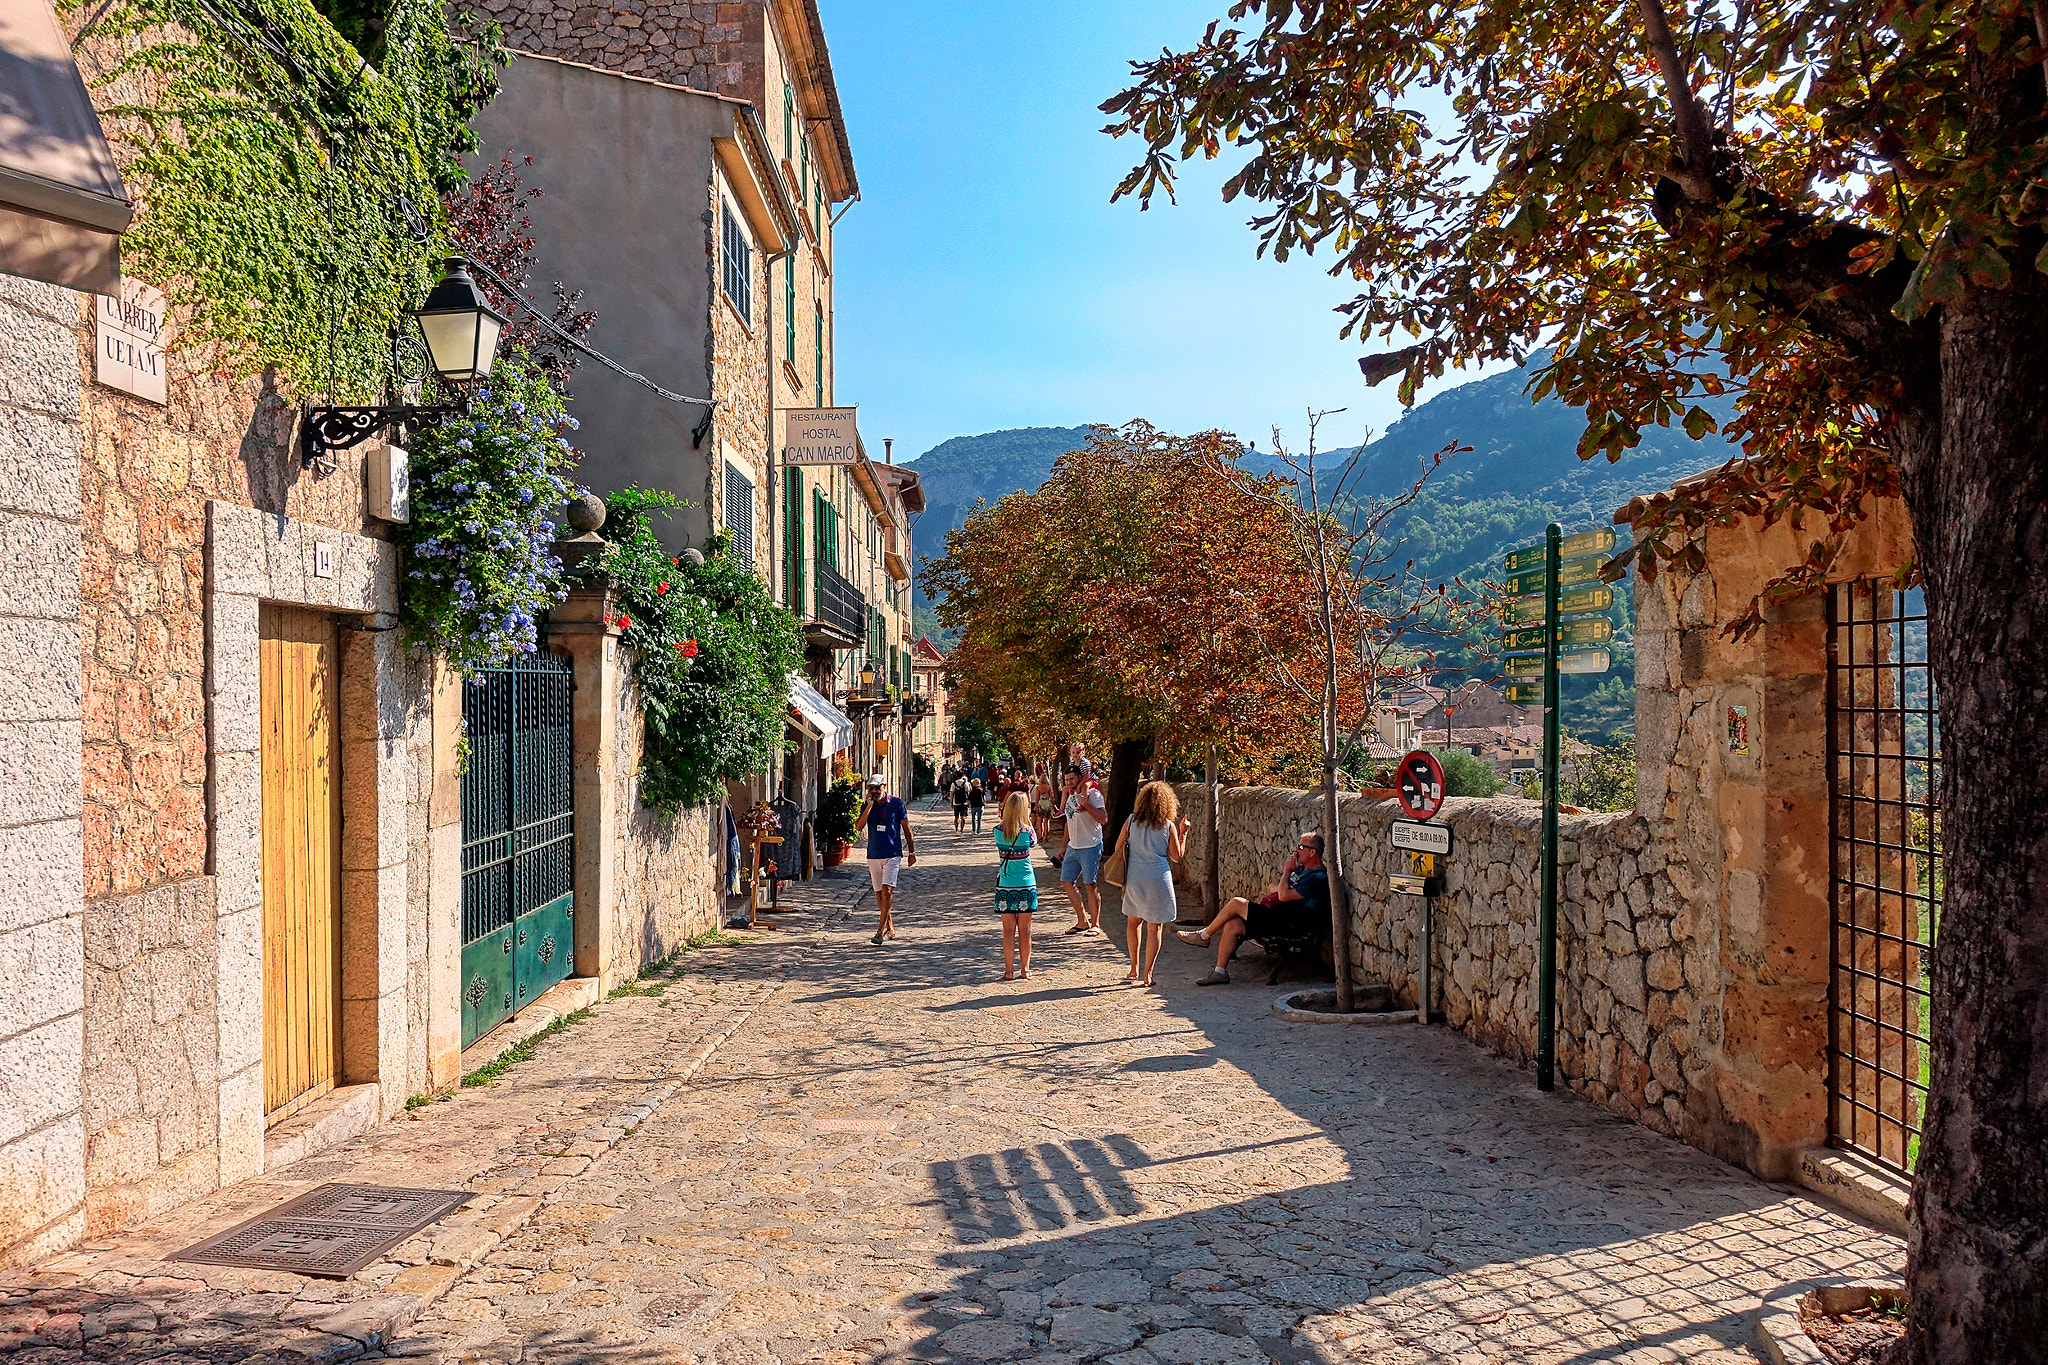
(898, 1156)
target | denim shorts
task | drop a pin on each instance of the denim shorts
(1081, 864)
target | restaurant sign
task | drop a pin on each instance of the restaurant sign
(129, 339)
(819, 436)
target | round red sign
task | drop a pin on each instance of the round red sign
(1420, 785)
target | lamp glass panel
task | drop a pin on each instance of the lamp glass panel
(487, 328)
(452, 341)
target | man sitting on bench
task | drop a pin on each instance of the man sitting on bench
(1295, 907)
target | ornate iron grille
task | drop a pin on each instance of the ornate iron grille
(518, 817)
(1884, 780)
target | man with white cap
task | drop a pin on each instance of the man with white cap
(889, 841)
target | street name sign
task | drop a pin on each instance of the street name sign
(1420, 837)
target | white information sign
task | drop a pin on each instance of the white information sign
(819, 436)
(1413, 834)
(129, 341)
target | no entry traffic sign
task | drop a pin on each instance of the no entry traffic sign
(1420, 786)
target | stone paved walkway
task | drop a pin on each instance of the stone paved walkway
(901, 1157)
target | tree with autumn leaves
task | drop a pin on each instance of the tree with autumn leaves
(1113, 606)
(1833, 212)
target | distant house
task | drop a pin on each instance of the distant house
(1474, 706)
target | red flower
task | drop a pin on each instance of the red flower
(689, 648)
(661, 589)
(625, 623)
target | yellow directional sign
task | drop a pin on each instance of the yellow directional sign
(1592, 630)
(1598, 541)
(1523, 693)
(1570, 573)
(1524, 611)
(1576, 661)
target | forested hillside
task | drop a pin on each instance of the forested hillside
(1521, 473)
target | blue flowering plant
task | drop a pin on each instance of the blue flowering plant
(480, 559)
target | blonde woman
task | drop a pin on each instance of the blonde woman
(1155, 837)
(1016, 884)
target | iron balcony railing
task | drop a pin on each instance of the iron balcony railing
(839, 605)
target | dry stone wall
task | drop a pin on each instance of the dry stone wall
(1639, 970)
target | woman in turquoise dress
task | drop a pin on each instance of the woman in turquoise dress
(1016, 884)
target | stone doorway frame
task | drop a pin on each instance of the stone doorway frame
(254, 557)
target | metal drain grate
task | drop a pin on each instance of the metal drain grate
(332, 1231)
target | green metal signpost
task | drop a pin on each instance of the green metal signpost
(1557, 623)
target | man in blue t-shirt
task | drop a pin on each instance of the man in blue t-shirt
(1296, 906)
(889, 840)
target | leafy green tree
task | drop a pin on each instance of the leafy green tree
(1832, 211)
(1465, 775)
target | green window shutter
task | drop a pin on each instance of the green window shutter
(789, 310)
(818, 353)
(793, 541)
(788, 116)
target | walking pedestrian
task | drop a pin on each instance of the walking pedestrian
(960, 784)
(1016, 884)
(1041, 804)
(1154, 838)
(977, 795)
(890, 845)
(1086, 813)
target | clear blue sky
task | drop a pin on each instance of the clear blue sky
(986, 282)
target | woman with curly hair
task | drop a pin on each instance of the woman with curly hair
(1155, 837)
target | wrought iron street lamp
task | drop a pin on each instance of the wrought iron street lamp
(867, 678)
(461, 331)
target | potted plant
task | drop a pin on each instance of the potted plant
(835, 819)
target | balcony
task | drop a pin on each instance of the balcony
(838, 617)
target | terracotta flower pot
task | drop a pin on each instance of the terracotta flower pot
(835, 853)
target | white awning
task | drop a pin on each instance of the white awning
(828, 720)
(62, 205)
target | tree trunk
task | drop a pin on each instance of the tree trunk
(1340, 895)
(1976, 479)
(1212, 876)
(1126, 769)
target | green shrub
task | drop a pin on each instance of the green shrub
(838, 811)
(1465, 775)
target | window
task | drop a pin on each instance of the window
(818, 352)
(788, 116)
(739, 514)
(793, 540)
(739, 266)
(825, 529)
(818, 207)
(789, 310)
(803, 173)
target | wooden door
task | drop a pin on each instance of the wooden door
(301, 857)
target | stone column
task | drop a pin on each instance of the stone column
(444, 892)
(378, 706)
(581, 627)
(42, 848)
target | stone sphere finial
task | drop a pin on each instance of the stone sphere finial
(586, 511)
(694, 556)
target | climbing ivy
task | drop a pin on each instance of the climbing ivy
(290, 180)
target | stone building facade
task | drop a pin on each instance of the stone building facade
(1694, 932)
(148, 552)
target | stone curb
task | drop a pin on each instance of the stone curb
(1284, 1008)
(1781, 1335)
(456, 1245)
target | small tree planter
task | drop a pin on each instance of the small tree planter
(1781, 1319)
(835, 853)
(1375, 1006)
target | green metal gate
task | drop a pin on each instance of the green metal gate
(518, 840)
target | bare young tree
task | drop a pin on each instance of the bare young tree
(1371, 615)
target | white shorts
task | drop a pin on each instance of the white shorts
(883, 871)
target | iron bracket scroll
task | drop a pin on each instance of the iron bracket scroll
(325, 430)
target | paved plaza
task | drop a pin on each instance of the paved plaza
(834, 1152)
